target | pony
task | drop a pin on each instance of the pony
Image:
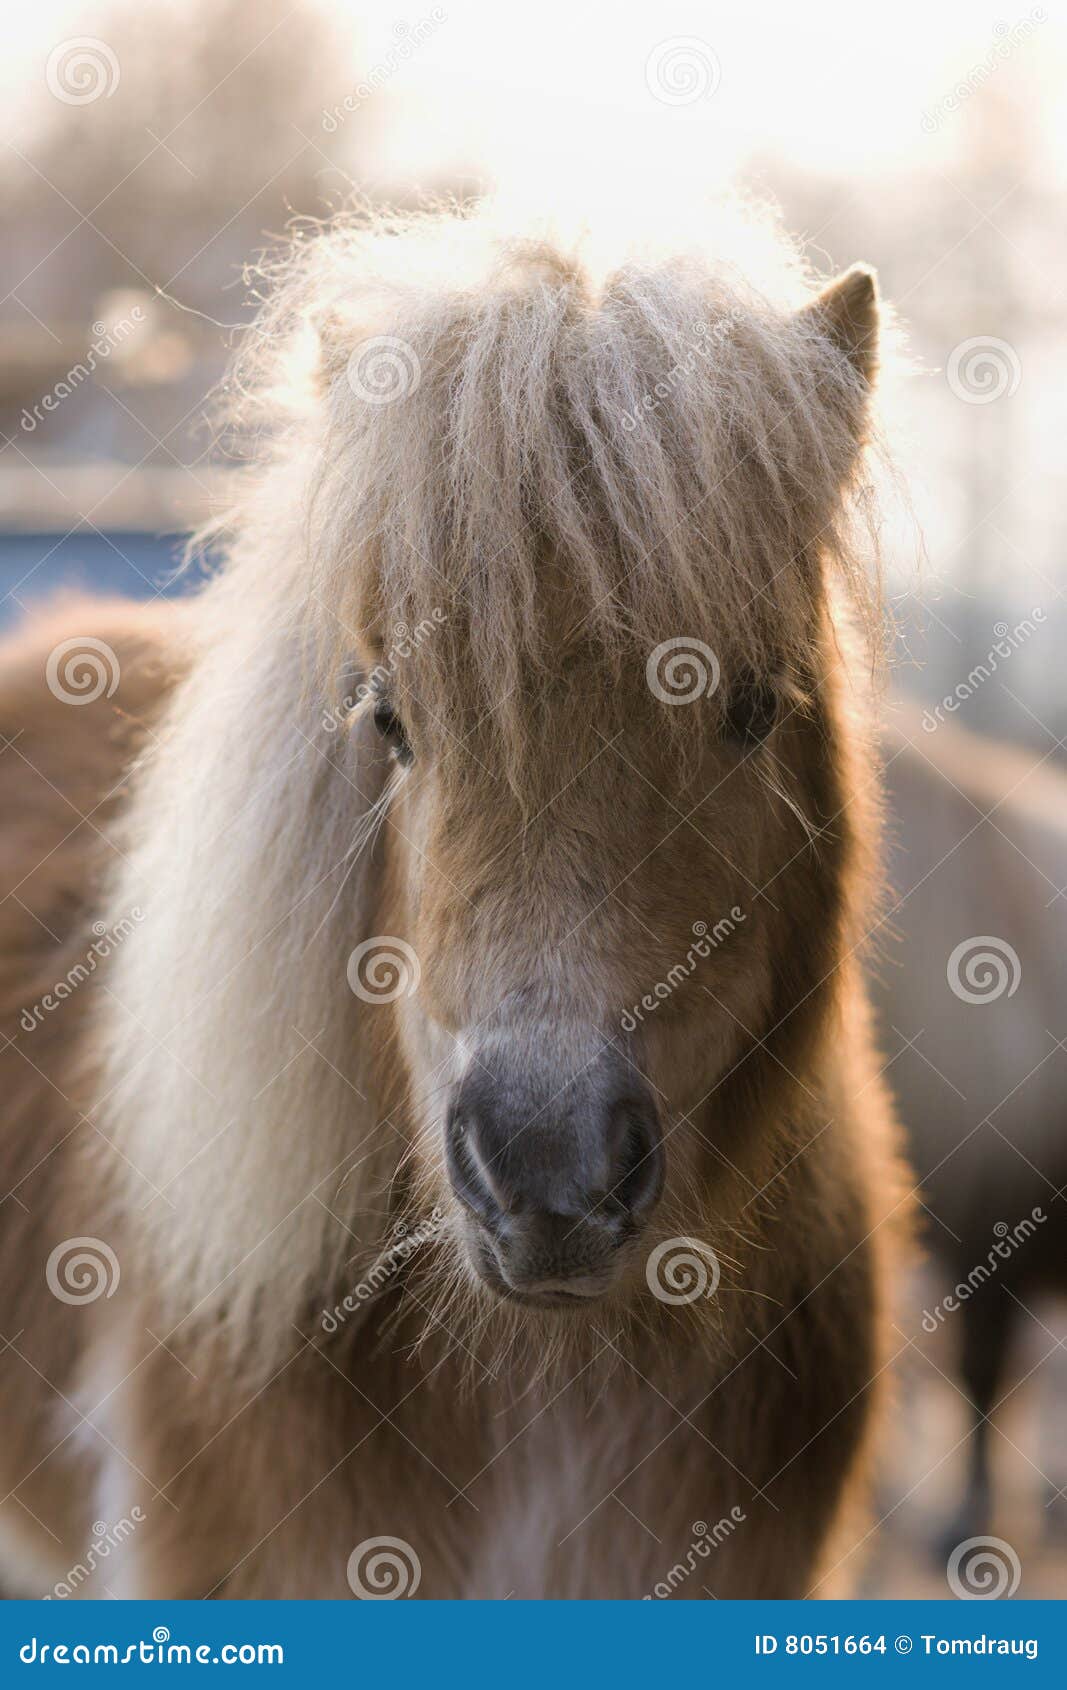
(469, 1174)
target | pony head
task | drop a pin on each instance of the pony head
(580, 523)
(500, 850)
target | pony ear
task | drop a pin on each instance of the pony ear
(846, 312)
(334, 336)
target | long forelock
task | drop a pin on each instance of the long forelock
(592, 456)
(508, 474)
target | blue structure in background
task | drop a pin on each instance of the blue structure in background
(37, 566)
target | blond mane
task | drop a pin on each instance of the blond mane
(668, 432)
(665, 425)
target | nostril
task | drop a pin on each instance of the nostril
(639, 1181)
(465, 1169)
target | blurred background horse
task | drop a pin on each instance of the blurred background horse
(978, 864)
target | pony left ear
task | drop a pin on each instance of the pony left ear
(846, 312)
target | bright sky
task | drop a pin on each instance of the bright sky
(554, 84)
(647, 93)
(831, 84)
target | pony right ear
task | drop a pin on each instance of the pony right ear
(334, 333)
(846, 312)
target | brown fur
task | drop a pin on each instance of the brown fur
(64, 784)
(252, 1131)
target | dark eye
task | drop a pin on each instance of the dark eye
(390, 727)
(751, 710)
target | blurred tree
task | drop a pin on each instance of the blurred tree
(212, 136)
(129, 218)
